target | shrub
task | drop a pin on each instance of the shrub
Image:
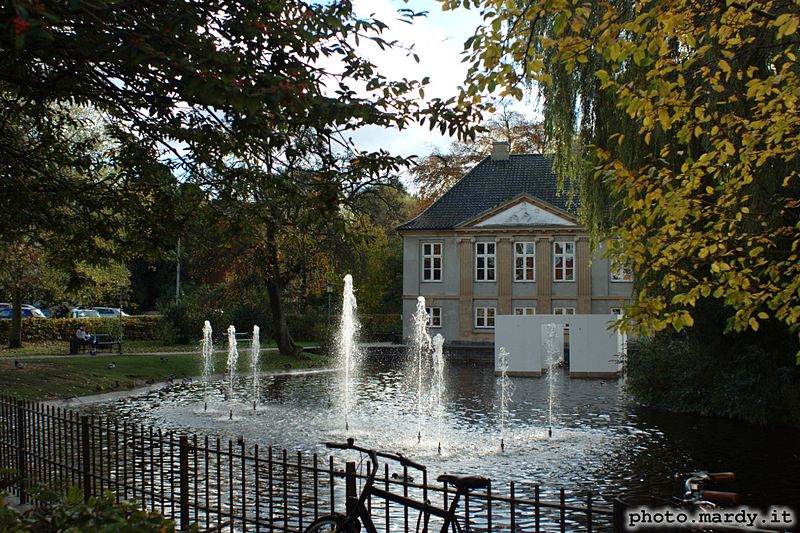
(733, 378)
(47, 329)
(70, 513)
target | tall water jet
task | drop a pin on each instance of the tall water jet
(233, 357)
(553, 360)
(438, 384)
(255, 355)
(207, 352)
(420, 356)
(347, 347)
(506, 390)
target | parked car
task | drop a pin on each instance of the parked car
(84, 313)
(110, 312)
(28, 311)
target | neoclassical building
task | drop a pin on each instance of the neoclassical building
(501, 241)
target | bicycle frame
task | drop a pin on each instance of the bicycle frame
(356, 506)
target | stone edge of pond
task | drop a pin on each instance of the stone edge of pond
(78, 401)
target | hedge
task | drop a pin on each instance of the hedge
(142, 327)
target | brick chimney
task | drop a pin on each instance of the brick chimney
(500, 151)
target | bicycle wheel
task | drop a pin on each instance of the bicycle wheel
(332, 524)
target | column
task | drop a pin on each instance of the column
(583, 275)
(465, 260)
(504, 274)
(544, 275)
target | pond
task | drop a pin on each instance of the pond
(601, 440)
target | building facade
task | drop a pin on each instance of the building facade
(503, 241)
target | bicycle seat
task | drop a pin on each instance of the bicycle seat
(465, 482)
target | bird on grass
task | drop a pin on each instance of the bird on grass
(112, 364)
(17, 364)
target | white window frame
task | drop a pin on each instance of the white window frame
(434, 317)
(621, 274)
(563, 310)
(520, 262)
(524, 310)
(564, 256)
(487, 257)
(431, 274)
(483, 315)
(616, 311)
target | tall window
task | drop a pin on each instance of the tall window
(524, 311)
(484, 261)
(564, 260)
(524, 261)
(434, 317)
(484, 317)
(621, 273)
(431, 261)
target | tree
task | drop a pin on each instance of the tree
(678, 120)
(437, 172)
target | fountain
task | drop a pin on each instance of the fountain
(347, 346)
(438, 385)
(420, 354)
(207, 352)
(255, 354)
(506, 389)
(233, 357)
(551, 345)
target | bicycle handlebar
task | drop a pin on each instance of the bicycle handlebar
(373, 454)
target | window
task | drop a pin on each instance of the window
(484, 261)
(431, 261)
(616, 311)
(434, 317)
(564, 260)
(621, 273)
(524, 261)
(563, 310)
(484, 317)
(525, 311)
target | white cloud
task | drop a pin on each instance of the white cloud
(438, 40)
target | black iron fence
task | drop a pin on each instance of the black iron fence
(232, 486)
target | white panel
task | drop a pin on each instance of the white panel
(525, 214)
(593, 346)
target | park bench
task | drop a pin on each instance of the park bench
(105, 340)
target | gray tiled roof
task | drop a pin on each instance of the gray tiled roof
(490, 184)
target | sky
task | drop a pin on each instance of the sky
(438, 40)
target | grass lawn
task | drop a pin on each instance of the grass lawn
(62, 348)
(82, 375)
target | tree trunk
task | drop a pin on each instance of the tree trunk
(16, 319)
(286, 345)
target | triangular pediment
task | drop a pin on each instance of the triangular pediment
(523, 212)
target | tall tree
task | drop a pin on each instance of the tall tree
(678, 119)
(440, 170)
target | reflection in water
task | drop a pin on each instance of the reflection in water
(601, 442)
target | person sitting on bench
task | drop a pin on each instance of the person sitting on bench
(85, 339)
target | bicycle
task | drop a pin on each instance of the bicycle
(695, 497)
(358, 515)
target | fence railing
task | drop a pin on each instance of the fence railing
(226, 485)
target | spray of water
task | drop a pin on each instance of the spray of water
(233, 357)
(347, 347)
(438, 392)
(420, 357)
(506, 391)
(207, 352)
(255, 354)
(553, 359)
